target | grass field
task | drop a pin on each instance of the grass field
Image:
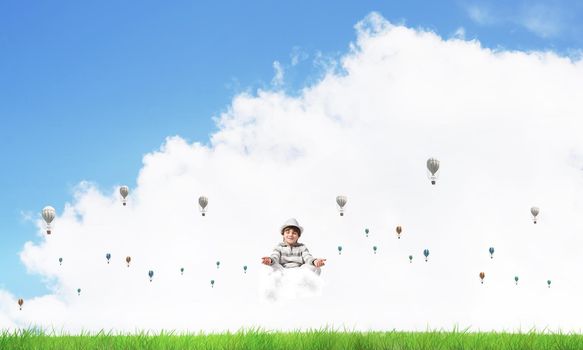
(314, 339)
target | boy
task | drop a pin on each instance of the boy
(290, 253)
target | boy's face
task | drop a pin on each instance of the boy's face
(291, 235)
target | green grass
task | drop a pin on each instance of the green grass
(306, 340)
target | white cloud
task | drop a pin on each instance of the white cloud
(542, 20)
(480, 14)
(298, 55)
(279, 72)
(505, 125)
(460, 33)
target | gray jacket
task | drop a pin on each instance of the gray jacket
(293, 256)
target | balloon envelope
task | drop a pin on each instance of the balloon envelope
(124, 191)
(48, 214)
(432, 165)
(341, 201)
(534, 211)
(203, 201)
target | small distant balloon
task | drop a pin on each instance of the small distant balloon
(339, 249)
(534, 211)
(366, 231)
(341, 201)
(78, 291)
(491, 250)
(410, 258)
(516, 279)
(151, 274)
(399, 229)
(128, 259)
(218, 264)
(549, 283)
(433, 167)
(426, 253)
(60, 261)
(108, 256)
(203, 202)
(245, 268)
(182, 270)
(374, 248)
(212, 283)
(48, 214)
(482, 275)
(20, 302)
(124, 191)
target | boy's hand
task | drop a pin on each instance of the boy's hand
(319, 262)
(266, 260)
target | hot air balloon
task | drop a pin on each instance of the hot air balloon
(48, 214)
(78, 291)
(124, 191)
(218, 263)
(60, 261)
(182, 270)
(244, 268)
(433, 167)
(374, 248)
(203, 202)
(426, 253)
(128, 259)
(534, 211)
(482, 275)
(399, 229)
(366, 231)
(549, 283)
(516, 279)
(212, 283)
(20, 302)
(339, 249)
(108, 256)
(410, 258)
(341, 201)
(151, 274)
(491, 250)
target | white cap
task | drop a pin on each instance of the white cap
(292, 222)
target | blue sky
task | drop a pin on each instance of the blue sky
(87, 89)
